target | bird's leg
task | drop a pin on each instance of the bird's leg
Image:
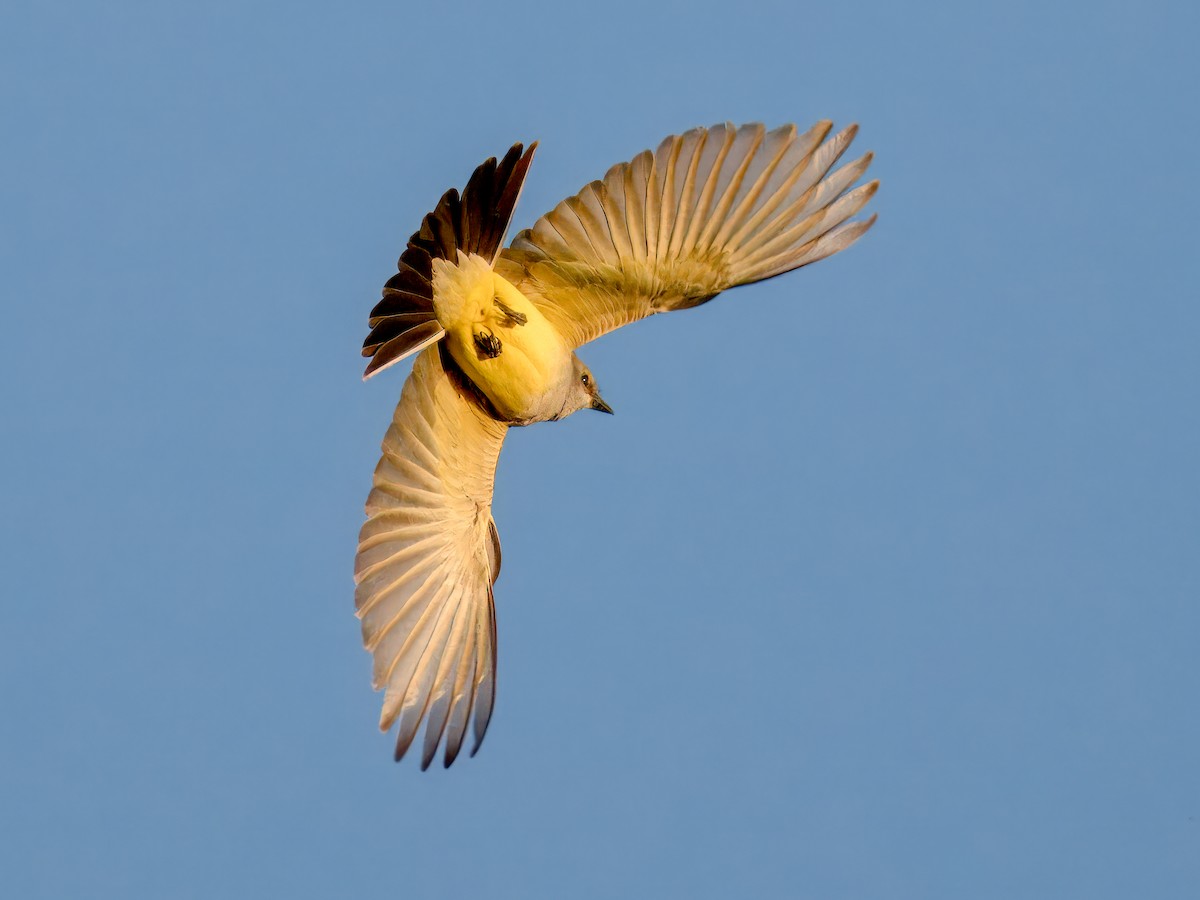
(487, 345)
(511, 316)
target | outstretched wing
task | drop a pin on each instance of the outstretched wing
(404, 322)
(427, 558)
(709, 210)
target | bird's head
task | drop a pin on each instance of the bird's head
(583, 392)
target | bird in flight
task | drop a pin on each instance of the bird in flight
(497, 328)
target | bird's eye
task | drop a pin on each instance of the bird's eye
(586, 379)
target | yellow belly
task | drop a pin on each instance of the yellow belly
(531, 359)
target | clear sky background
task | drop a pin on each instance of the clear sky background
(884, 581)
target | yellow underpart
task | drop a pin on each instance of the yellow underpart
(532, 357)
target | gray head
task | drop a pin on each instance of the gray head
(583, 393)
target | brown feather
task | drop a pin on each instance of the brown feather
(473, 222)
(396, 348)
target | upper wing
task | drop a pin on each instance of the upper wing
(710, 209)
(404, 322)
(427, 558)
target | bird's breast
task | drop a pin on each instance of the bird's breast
(509, 350)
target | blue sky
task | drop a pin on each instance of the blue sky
(882, 582)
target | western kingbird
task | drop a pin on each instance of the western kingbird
(708, 210)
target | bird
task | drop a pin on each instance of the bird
(496, 329)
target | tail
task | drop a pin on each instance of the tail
(404, 322)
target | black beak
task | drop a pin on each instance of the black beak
(598, 403)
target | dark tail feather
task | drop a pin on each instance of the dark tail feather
(475, 223)
(409, 341)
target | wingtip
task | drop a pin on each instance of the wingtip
(404, 345)
(478, 742)
(402, 745)
(520, 151)
(372, 370)
(374, 367)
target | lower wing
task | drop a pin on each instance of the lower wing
(428, 556)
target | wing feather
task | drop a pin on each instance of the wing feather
(595, 221)
(708, 210)
(550, 234)
(653, 205)
(741, 154)
(708, 173)
(464, 695)
(637, 177)
(665, 159)
(685, 187)
(442, 694)
(485, 673)
(766, 160)
(812, 225)
(564, 228)
(433, 641)
(427, 558)
(784, 178)
(612, 201)
(395, 618)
